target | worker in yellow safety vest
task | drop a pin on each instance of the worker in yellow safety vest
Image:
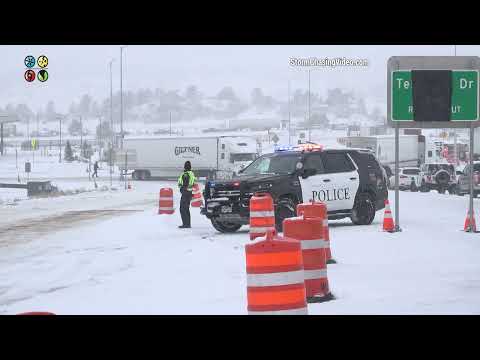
(185, 183)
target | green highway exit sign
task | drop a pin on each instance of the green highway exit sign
(464, 98)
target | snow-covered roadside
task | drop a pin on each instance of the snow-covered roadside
(91, 258)
(35, 208)
(143, 264)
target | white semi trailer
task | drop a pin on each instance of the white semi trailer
(164, 157)
(414, 149)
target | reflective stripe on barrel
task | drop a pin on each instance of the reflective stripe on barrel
(261, 214)
(315, 274)
(261, 230)
(313, 244)
(275, 279)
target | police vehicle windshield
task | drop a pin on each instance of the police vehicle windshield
(273, 164)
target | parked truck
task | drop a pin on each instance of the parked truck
(219, 157)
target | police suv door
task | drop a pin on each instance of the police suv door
(336, 182)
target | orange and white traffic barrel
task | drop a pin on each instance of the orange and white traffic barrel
(262, 215)
(309, 231)
(196, 196)
(165, 203)
(275, 284)
(318, 209)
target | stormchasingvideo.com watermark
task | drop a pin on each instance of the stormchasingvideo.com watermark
(327, 62)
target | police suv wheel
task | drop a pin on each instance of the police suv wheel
(284, 209)
(225, 227)
(363, 211)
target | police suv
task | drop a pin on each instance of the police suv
(350, 181)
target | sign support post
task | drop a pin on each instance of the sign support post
(397, 176)
(471, 227)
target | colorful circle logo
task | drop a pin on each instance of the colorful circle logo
(42, 61)
(29, 61)
(29, 75)
(42, 75)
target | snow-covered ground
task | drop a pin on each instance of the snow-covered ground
(133, 261)
(107, 251)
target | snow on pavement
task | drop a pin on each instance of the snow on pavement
(141, 263)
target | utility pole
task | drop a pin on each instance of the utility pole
(38, 129)
(121, 96)
(112, 132)
(309, 119)
(289, 117)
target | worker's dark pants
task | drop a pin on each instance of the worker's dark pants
(95, 173)
(185, 207)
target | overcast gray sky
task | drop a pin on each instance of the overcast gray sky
(76, 70)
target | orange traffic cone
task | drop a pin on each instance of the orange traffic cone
(129, 187)
(388, 224)
(470, 227)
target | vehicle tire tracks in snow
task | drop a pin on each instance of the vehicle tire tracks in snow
(33, 228)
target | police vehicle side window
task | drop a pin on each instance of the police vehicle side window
(314, 161)
(337, 163)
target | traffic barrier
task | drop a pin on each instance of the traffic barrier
(196, 196)
(262, 215)
(275, 283)
(318, 209)
(388, 224)
(470, 227)
(165, 203)
(308, 229)
(37, 313)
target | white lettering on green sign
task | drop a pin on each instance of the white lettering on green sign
(464, 95)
